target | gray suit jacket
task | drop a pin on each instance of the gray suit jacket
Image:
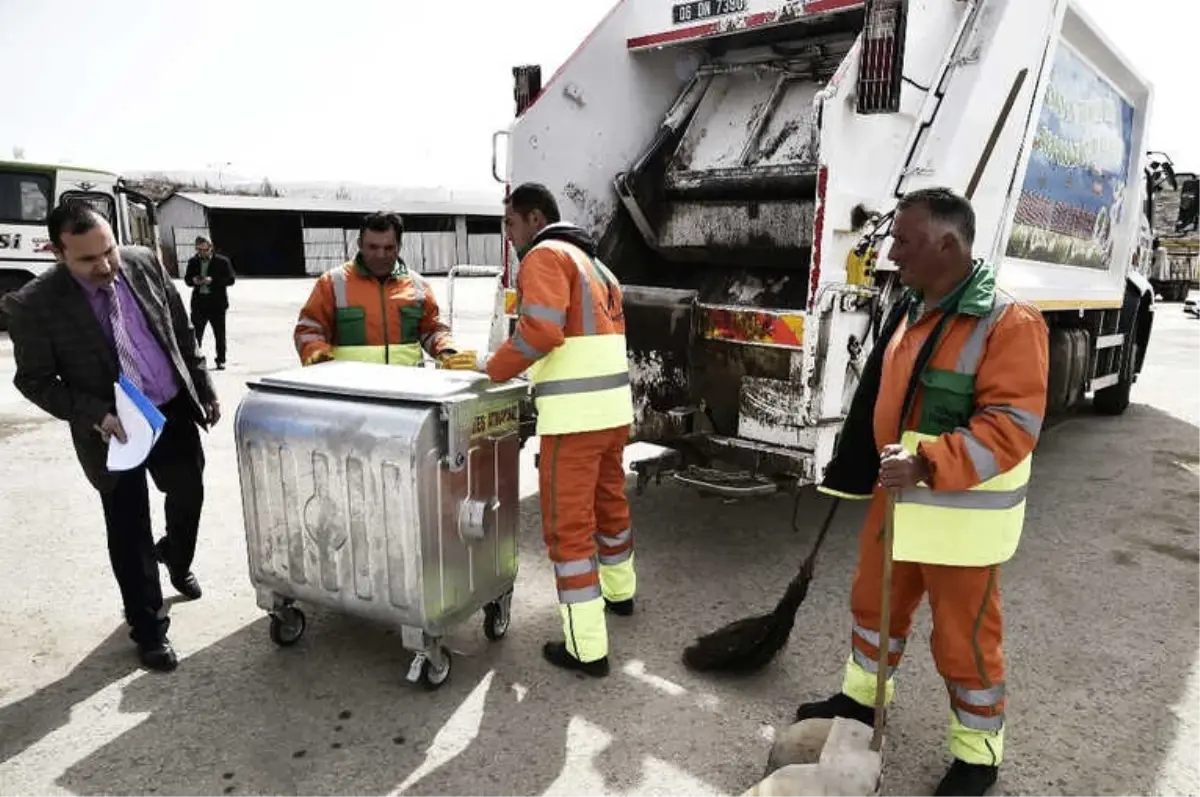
(66, 366)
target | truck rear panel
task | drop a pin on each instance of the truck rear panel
(731, 155)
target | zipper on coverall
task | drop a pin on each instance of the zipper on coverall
(383, 311)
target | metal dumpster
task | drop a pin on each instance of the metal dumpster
(383, 492)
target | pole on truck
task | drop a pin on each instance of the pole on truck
(997, 128)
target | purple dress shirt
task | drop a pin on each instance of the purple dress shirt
(154, 367)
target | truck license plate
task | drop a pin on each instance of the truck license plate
(705, 9)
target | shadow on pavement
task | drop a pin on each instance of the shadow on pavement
(29, 720)
(1101, 633)
(333, 714)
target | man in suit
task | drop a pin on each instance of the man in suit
(105, 312)
(210, 276)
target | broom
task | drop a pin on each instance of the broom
(749, 644)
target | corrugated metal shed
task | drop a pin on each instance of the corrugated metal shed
(293, 236)
(473, 206)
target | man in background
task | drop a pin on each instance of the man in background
(100, 314)
(210, 276)
(375, 309)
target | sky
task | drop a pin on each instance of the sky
(387, 92)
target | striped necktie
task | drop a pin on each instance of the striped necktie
(121, 337)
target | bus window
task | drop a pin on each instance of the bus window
(24, 197)
(101, 203)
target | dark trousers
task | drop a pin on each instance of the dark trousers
(204, 314)
(176, 463)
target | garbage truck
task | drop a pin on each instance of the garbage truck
(29, 191)
(1173, 264)
(739, 162)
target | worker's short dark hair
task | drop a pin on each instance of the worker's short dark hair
(73, 217)
(529, 197)
(200, 239)
(382, 222)
(947, 207)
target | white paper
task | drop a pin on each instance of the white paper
(141, 433)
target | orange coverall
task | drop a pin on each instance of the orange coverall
(399, 310)
(585, 514)
(1010, 383)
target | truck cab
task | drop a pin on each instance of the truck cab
(29, 191)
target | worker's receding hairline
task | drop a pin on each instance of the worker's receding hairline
(952, 222)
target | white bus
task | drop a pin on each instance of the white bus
(28, 192)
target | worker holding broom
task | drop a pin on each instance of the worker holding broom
(953, 414)
(570, 335)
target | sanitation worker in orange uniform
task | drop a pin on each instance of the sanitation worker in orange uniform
(374, 309)
(570, 335)
(958, 393)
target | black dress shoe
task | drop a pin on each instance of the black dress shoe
(623, 608)
(158, 656)
(556, 653)
(220, 366)
(185, 584)
(968, 779)
(840, 705)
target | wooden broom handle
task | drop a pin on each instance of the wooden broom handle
(885, 624)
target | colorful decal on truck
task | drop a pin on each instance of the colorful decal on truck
(763, 327)
(1073, 198)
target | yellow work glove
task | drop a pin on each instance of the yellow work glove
(459, 361)
(320, 356)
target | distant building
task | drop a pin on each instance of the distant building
(292, 237)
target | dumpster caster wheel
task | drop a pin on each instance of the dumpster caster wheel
(287, 626)
(496, 617)
(433, 676)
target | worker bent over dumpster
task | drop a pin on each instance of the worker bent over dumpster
(957, 409)
(373, 309)
(570, 334)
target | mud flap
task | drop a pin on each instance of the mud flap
(659, 330)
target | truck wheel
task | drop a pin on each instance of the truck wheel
(1114, 400)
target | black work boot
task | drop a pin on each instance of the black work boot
(623, 608)
(557, 654)
(840, 705)
(967, 779)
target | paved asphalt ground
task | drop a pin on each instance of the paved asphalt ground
(1101, 632)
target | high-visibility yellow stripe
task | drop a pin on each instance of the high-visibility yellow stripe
(583, 386)
(581, 356)
(618, 580)
(859, 680)
(930, 525)
(840, 494)
(584, 629)
(393, 354)
(982, 745)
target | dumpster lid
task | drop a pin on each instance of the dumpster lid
(386, 382)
